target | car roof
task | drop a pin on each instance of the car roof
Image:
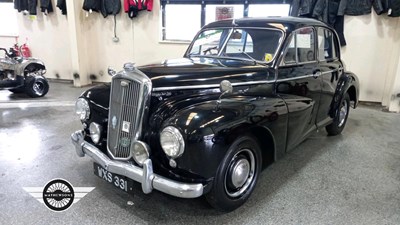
(287, 24)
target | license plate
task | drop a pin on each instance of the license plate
(119, 181)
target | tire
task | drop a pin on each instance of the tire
(36, 86)
(341, 115)
(229, 192)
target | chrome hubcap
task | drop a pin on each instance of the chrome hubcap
(240, 173)
(343, 113)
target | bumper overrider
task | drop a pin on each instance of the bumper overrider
(144, 175)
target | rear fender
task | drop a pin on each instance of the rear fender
(346, 82)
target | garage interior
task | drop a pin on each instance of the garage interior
(353, 178)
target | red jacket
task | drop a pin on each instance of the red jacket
(140, 4)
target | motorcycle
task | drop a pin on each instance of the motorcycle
(21, 74)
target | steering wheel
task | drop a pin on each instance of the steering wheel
(210, 49)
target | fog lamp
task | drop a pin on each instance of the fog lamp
(140, 152)
(95, 132)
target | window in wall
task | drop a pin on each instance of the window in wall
(326, 45)
(181, 22)
(220, 12)
(262, 10)
(8, 19)
(181, 19)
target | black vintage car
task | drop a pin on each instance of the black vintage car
(19, 74)
(246, 92)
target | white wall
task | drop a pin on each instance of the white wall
(139, 41)
(47, 39)
(369, 52)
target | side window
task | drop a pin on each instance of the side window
(305, 45)
(290, 57)
(326, 45)
(302, 47)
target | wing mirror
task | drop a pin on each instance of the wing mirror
(111, 71)
(226, 88)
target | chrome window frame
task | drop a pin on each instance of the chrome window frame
(336, 43)
(293, 33)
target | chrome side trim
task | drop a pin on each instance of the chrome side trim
(306, 76)
(145, 176)
(295, 78)
(210, 85)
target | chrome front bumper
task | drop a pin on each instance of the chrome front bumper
(144, 175)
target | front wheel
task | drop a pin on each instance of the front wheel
(341, 115)
(237, 175)
(36, 86)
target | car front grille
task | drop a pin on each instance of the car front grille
(128, 100)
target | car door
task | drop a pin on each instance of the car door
(299, 85)
(331, 69)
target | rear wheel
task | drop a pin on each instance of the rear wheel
(237, 175)
(36, 86)
(342, 113)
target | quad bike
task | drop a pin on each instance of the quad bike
(19, 74)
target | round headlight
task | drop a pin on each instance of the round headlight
(172, 142)
(140, 152)
(82, 109)
(95, 132)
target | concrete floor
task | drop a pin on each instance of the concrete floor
(349, 179)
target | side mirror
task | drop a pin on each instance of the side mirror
(111, 71)
(225, 87)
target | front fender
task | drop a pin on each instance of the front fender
(346, 82)
(29, 62)
(208, 132)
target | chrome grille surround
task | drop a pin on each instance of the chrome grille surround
(129, 102)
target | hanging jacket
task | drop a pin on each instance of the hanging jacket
(328, 10)
(21, 5)
(331, 12)
(110, 7)
(46, 6)
(132, 3)
(62, 5)
(94, 5)
(363, 7)
(148, 5)
(32, 5)
(391, 7)
(132, 7)
(302, 8)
